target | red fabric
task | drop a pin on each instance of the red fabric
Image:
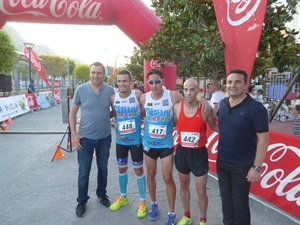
(35, 62)
(192, 124)
(279, 184)
(32, 102)
(240, 24)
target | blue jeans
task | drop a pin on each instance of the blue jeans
(85, 158)
(234, 191)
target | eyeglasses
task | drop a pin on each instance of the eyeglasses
(151, 82)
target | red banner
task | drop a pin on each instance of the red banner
(240, 25)
(35, 62)
(280, 179)
(169, 71)
(32, 102)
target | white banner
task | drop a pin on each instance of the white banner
(13, 106)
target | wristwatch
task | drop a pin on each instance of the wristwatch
(257, 168)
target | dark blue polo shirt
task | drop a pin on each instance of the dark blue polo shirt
(238, 127)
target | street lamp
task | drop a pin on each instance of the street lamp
(29, 47)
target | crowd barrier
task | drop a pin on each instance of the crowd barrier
(17, 105)
(280, 182)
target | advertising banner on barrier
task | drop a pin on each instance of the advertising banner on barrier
(279, 184)
(45, 99)
(32, 102)
(13, 106)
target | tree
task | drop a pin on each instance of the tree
(82, 72)
(55, 66)
(277, 46)
(189, 37)
(136, 65)
(8, 54)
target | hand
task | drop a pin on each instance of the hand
(76, 138)
(253, 175)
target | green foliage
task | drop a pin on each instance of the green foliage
(82, 72)
(189, 37)
(7, 53)
(277, 47)
(54, 65)
(136, 65)
(72, 65)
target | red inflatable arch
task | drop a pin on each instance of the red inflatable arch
(133, 17)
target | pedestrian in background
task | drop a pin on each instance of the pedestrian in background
(128, 138)
(94, 134)
(217, 95)
(243, 144)
(191, 153)
(157, 107)
(295, 111)
(31, 87)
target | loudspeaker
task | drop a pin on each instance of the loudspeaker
(5, 83)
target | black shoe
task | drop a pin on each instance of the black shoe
(104, 200)
(80, 209)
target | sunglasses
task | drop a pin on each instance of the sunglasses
(151, 82)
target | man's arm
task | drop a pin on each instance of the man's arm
(212, 123)
(176, 97)
(72, 123)
(142, 102)
(112, 108)
(176, 109)
(261, 151)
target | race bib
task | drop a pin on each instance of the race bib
(189, 139)
(127, 126)
(157, 131)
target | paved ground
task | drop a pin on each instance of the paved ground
(36, 191)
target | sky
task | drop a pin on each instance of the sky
(87, 43)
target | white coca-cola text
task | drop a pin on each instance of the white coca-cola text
(244, 10)
(154, 63)
(88, 9)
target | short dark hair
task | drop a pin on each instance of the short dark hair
(97, 64)
(239, 71)
(155, 71)
(126, 72)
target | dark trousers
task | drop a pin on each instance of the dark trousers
(234, 191)
(85, 158)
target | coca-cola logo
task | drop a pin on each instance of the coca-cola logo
(37, 65)
(239, 11)
(155, 64)
(287, 183)
(88, 9)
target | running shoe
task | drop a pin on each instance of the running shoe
(202, 222)
(121, 201)
(185, 221)
(142, 211)
(153, 212)
(171, 219)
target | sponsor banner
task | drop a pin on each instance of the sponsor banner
(13, 106)
(35, 62)
(240, 24)
(45, 99)
(280, 179)
(32, 102)
(56, 96)
(169, 71)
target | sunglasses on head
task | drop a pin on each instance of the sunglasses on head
(151, 82)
